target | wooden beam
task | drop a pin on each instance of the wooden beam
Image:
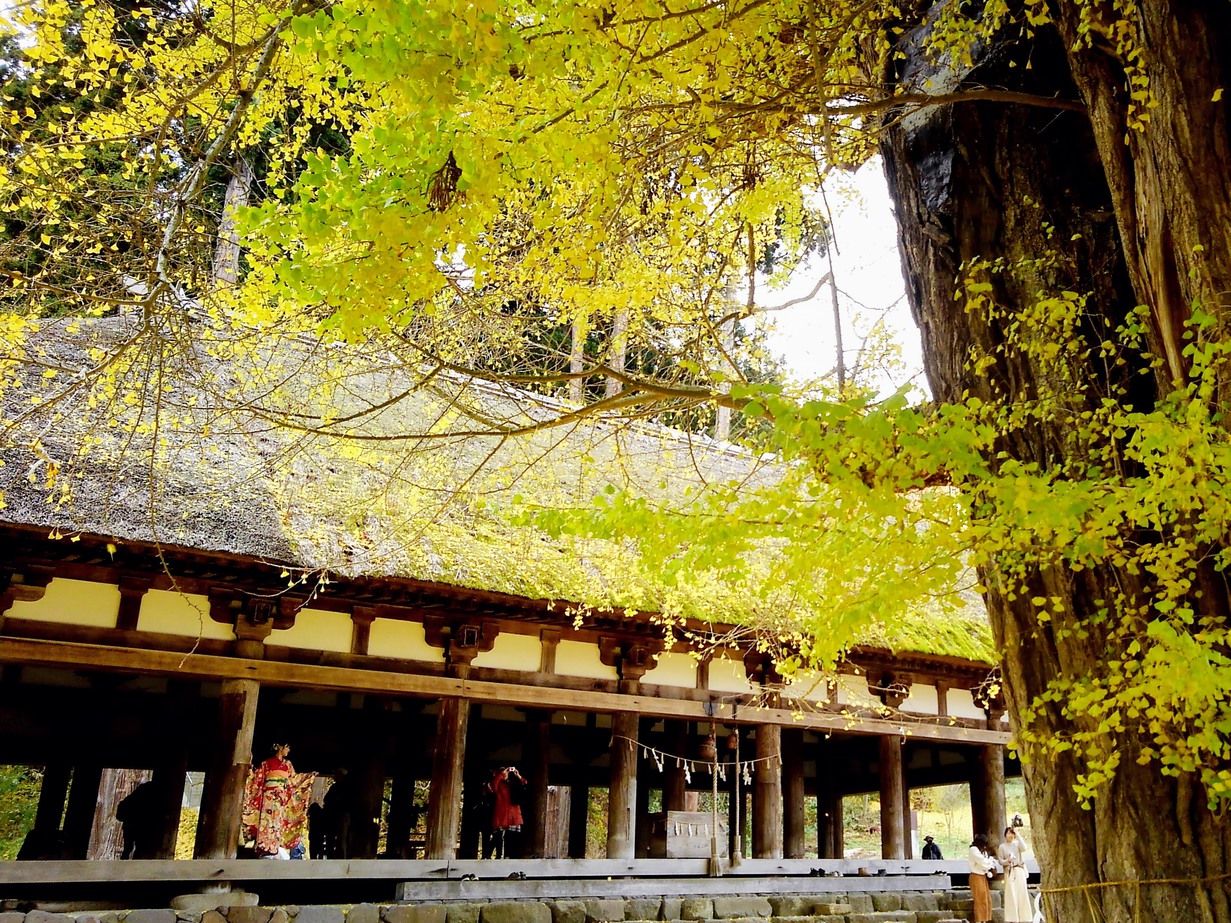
(73, 655)
(600, 871)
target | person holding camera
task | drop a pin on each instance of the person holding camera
(506, 787)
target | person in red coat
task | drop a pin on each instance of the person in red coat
(505, 787)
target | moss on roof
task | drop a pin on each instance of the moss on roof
(248, 454)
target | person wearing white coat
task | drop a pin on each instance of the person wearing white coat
(982, 865)
(1017, 907)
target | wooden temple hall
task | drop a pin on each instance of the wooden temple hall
(120, 655)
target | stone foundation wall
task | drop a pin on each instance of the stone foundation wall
(821, 907)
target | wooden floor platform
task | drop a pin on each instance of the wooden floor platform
(458, 871)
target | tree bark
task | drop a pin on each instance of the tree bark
(226, 254)
(982, 180)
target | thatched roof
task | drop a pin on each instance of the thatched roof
(352, 460)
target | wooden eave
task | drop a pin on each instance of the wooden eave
(85, 556)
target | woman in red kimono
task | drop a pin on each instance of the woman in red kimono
(275, 813)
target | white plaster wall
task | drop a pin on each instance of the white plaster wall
(853, 690)
(922, 700)
(962, 705)
(512, 652)
(187, 614)
(576, 658)
(73, 602)
(808, 685)
(728, 675)
(403, 640)
(316, 630)
(673, 670)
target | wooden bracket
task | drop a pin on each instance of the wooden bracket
(361, 618)
(891, 688)
(23, 583)
(631, 658)
(759, 668)
(254, 618)
(462, 641)
(132, 589)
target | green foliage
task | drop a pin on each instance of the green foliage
(19, 789)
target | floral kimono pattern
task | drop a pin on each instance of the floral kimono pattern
(275, 814)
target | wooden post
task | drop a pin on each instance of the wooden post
(767, 794)
(169, 781)
(675, 787)
(642, 824)
(369, 776)
(892, 839)
(222, 799)
(444, 803)
(578, 815)
(537, 770)
(794, 846)
(51, 795)
(908, 846)
(79, 815)
(622, 795)
(987, 807)
(829, 822)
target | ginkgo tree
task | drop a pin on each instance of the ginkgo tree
(1062, 199)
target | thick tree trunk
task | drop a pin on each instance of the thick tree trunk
(985, 181)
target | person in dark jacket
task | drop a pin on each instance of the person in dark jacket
(930, 849)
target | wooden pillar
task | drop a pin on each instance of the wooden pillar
(794, 830)
(987, 807)
(622, 795)
(675, 786)
(79, 815)
(401, 820)
(767, 794)
(444, 803)
(891, 784)
(578, 815)
(908, 846)
(402, 817)
(829, 823)
(537, 770)
(641, 824)
(369, 776)
(51, 795)
(169, 783)
(223, 795)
